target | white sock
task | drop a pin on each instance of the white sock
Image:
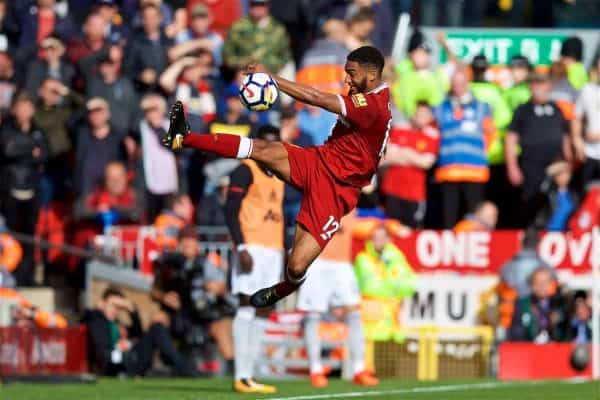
(356, 339)
(259, 326)
(245, 149)
(313, 342)
(242, 325)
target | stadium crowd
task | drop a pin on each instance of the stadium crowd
(85, 87)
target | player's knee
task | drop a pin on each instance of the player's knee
(295, 270)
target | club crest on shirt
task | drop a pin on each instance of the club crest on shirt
(359, 100)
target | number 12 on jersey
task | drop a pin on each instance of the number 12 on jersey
(331, 227)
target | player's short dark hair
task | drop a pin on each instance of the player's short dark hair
(368, 57)
(112, 291)
(265, 130)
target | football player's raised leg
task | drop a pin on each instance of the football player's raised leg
(304, 251)
(273, 155)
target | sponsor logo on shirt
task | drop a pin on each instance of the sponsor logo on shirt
(359, 100)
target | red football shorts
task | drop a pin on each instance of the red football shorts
(325, 200)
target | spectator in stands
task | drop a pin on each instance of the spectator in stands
(322, 65)
(571, 55)
(147, 52)
(466, 125)
(561, 200)
(109, 84)
(57, 105)
(24, 150)
(410, 154)
(115, 349)
(518, 93)
(258, 37)
(192, 293)
(586, 142)
(360, 26)
(417, 81)
(579, 329)
(50, 64)
(563, 93)
(115, 201)
(224, 13)
(83, 52)
(159, 164)
(198, 36)
(489, 92)
(211, 206)
(8, 84)
(188, 80)
(484, 217)
(539, 317)
(385, 278)
(117, 30)
(233, 118)
(171, 220)
(40, 21)
(540, 128)
(382, 33)
(98, 143)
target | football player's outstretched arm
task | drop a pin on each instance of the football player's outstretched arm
(309, 95)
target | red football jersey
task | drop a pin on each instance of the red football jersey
(358, 139)
(409, 182)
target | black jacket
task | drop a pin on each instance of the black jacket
(99, 341)
(21, 169)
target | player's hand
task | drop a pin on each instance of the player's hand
(171, 300)
(246, 262)
(515, 176)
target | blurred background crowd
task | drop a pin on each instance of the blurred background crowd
(85, 88)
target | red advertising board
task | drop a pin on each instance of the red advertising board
(486, 252)
(527, 361)
(31, 350)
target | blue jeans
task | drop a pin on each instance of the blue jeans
(452, 9)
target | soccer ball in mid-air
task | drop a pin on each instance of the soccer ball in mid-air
(258, 92)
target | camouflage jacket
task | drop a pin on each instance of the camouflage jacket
(247, 41)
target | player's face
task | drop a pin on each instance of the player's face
(356, 77)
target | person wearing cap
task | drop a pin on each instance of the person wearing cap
(417, 81)
(98, 143)
(541, 130)
(488, 92)
(224, 13)
(24, 149)
(198, 36)
(160, 172)
(518, 93)
(586, 137)
(188, 79)
(561, 201)
(108, 82)
(571, 54)
(258, 37)
(255, 217)
(49, 64)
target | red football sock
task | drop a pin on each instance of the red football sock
(229, 146)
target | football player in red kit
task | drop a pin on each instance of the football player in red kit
(330, 176)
